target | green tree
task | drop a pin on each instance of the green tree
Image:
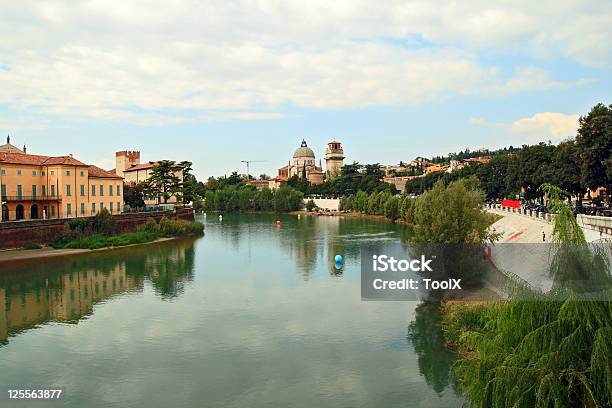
(392, 208)
(565, 169)
(234, 179)
(594, 142)
(189, 185)
(310, 206)
(163, 182)
(452, 214)
(133, 195)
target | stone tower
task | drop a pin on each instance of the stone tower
(334, 159)
(125, 160)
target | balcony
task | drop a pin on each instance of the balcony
(30, 198)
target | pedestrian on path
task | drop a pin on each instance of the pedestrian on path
(543, 236)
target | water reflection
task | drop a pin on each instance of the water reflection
(425, 333)
(30, 296)
(307, 240)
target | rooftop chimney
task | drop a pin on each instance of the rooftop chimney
(25, 150)
(8, 139)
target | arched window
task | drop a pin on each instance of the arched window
(19, 213)
(34, 212)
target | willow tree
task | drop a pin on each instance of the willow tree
(544, 353)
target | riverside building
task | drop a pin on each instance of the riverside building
(133, 172)
(46, 187)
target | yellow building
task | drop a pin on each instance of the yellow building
(45, 187)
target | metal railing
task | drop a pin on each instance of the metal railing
(31, 198)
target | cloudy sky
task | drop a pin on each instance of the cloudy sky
(216, 82)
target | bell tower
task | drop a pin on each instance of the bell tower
(334, 159)
(125, 160)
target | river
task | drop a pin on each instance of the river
(250, 315)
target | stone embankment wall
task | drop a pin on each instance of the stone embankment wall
(16, 234)
(330, 204)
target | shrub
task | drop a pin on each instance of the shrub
(103, 223)
(311, 206)
(66, 235)
(77, 225)
(150, 226)
(177, 228)
(32, 246)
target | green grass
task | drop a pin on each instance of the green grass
(145, 233)
(100, 241)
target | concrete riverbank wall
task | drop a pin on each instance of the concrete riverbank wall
(15, 234)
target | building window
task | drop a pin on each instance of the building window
(3, 171)
(101, 190)
(118, 190)
(111, 207)
(33, 172)
(101, 206)
(68, 192)
(68, 209)
(67, 172)
(53, 172)
(53, 211)
(110, 190)
(82, 208)
(82, 174)
(93, 190)
(19, 191)
(118, 207)
(42, 173)
(52, 191)
(82, 190)
(43, 190)
(3, 192)
(19, 172)
(93, 208)
(33, 191)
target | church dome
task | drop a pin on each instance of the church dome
(303, 151)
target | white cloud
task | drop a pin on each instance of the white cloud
(187, 61)
(556, 125)
(540, 127)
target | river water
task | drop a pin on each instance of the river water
(250, 315)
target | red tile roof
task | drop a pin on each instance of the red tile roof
(36, 160)
(96, 172)
(145, 166)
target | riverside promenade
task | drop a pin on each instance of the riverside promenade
(528, 263)
(522, 229)
(518, 227)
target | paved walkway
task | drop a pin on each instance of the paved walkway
(529, 262)
(521, 229)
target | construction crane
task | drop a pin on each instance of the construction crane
(248, 164)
